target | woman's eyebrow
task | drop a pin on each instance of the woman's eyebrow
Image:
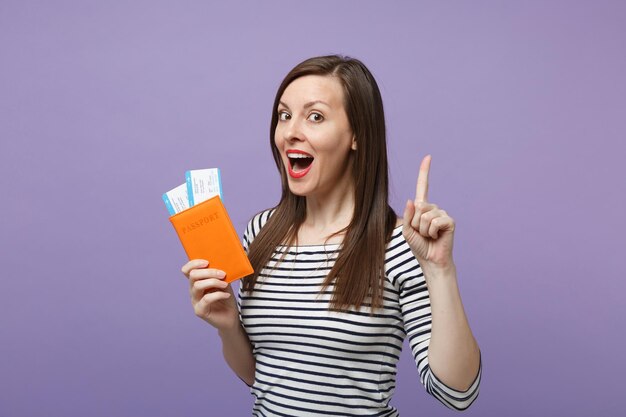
(307, 105)
(312, 103)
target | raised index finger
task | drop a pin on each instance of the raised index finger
(421, 192)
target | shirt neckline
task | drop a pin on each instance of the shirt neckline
(327, 244)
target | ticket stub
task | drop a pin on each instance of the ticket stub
(176, 200)
(203, 184)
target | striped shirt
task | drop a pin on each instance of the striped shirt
(314, 362)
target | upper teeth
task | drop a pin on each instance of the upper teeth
(298, 155)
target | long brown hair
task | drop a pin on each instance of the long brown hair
(359, 268)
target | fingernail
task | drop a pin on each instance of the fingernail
(221, 274)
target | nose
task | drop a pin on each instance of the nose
(292, 131)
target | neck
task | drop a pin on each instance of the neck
(333, 210)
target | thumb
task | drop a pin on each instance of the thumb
(409, 212)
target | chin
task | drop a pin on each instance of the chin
(297, 191)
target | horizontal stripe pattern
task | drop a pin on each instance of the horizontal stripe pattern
(316, 362)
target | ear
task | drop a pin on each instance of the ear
(353, 146)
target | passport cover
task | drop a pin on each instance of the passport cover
(206, 232)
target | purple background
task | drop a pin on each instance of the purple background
(103, 106)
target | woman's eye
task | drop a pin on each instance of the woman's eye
(283, 115)
(316, 117)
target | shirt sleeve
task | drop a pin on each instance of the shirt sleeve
(408, 279)
(254, 227)
(252, 230)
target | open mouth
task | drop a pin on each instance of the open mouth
(299, 163)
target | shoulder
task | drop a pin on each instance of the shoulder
(256, 223)
(400, 263)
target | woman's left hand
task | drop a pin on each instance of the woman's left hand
(428, 229)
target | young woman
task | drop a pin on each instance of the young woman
(339, 279)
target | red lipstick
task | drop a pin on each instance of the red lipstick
(304, 158)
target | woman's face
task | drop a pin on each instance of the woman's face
(313, 135)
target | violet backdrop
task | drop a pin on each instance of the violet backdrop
(104, 105)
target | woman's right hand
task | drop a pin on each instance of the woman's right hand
(212, 298)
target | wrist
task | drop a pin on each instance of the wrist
(226, 332)
(443, 270)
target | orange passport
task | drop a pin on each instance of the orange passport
(206, 232)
